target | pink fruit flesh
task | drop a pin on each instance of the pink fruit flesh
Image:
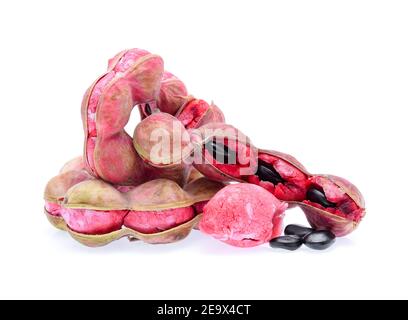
(53, 209)
(158, 221)
(192, 113)
(296, 182)
(345, 206)
(243, 215)
(93, 222)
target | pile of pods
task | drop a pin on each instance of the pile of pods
(184, 168)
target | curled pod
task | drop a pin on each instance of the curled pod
(196, 112)
(71, 174)
(282, 175)
(133, 79)
(333, 203)
(173, 94)
(165, 147)
(223, 153)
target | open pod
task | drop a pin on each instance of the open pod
(223, 153)
(281, 174)
(96, 213)
(196, 112)
(133, 78)
(329, 202)
(333, 203)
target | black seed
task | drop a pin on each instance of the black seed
(148, 110)
(221, 152)
(267, 172)
(297, 230)
(291, 243)
(318, 196)
(319, 240)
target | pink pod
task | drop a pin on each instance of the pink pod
(293, 175)
(93, 222)
(173, 94)
(347, 207)
(196, 113)
(133, 78)
(96, 213)
(164, 145)
(243, 215)
(158, 205)
(329, 202)
(159, 220)
(94, 207)
(214, 143)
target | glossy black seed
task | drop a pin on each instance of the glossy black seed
(318, 196)
(148, 110)
(221, 152)
(267, 172)
(297, 230)
(319, 240)
(291, 243)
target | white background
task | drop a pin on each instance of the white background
(323, 80)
